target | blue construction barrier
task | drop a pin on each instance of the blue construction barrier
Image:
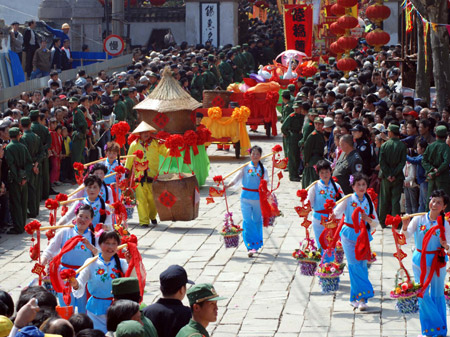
(88, 58)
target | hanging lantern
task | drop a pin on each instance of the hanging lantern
(378, 38)
(336, 49)
(157, 2)
(377, 13)
(346, 64)
(336, 29)
(347, 21)
(337, 10)
(347, 43)
(347, 3)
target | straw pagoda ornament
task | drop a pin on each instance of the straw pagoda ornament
(169, 107)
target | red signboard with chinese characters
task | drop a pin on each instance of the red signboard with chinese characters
(298, 27)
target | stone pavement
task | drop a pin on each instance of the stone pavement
(266, 295)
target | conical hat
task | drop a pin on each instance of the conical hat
(143, 127)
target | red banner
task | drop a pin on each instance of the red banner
(298, 27)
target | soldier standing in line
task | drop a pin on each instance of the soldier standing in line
(209, 80)
(120, 109)
(129, 103)
(197, 83)
(313, 152)
(226, 72)
(80, 127)
(291, 130)
(250, 61)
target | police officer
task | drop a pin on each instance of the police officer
(34, 146)
(363, 147)
(436, 160)
(203, 301)
(20, 166)
(392, 161)
(313, 152)
(291, 130)
(348, 163)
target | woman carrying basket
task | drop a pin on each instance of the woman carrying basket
(431, 233)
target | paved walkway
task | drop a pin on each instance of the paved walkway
(266, 295)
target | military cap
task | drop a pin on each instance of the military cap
(195, 64)
(245, 45)
(301, 94)
(441, 131)
(125, 91)
(318, 120)
(286, 94)
(73, 100)
(312, 112)
(296, 105)
(331, 60)
(291, 87)
(221, 54)
(394, 128)
(201, 293)
(14, 132)
(238, 47)
(25, 121)
(210, 57)
(205, 64)
(34, 113)
(115, 92)
(130, 328)
(125, 285)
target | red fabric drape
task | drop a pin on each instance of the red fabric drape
(136, 263)
(362, 248)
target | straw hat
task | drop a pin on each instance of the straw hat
(143, 127)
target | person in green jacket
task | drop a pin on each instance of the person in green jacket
(286, 109)
(392, 160)
(240, 64)
(129, 104)
(291, 130)
(20, 167)
(120, 109)
(313, 152)
(80, 127)
(46, 141)
(213, 68)
(203, 301)
(34, 146)
(250, 61)
(226, 72)
(209, 79)
(435, 161)
(197, 83)
(308, 126)
(267, 51)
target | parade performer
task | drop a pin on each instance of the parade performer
(102, 211)
(431, 233)
(250, 177)
(111, 162)
(151, 149)
(75, 258)
(353, 241)
(325, 189)
(98, 277)
(99, 170)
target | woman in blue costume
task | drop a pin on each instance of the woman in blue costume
(250, 177)
(360, 287)
(75, 258)
(323, 190)
(98, 277)
(106, 193)
(432, 309)
(102, 211)
(111, 162)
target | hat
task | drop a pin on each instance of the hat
(34, 113)
(328, 122)
(125, 285)
(173, 278)
(65, 25)
(98, 88)
(143, 127)
(25, 121)
(312, 112)
(318, 120)
(62, 96)
(411, 113)
(394, 128)
(130, 328)
(5, 326)
(210, 57)
(441, 131)
(380, 127)
(14, 132)
(357, 127)
(73, 100)
(205, 64)
(143, 79)
(202, 292)
(15, 23)
(114, 92)
(381, 104)
(286, 94)
(296, 105)
(125, 91)
(291, 87)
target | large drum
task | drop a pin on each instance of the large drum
(176, 199)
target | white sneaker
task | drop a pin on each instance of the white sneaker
(362, 306)
(354, 304)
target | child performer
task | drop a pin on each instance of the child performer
(98, 277)
(318, 194)
(360, 287)
(102, 211)
(111, 161)
(429, 237)
(250, 177)
(75, 258)
(106, 193)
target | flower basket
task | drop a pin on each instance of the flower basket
(405, 292)
(231, 241)
(130, 211)
(339, 253)
(230, 231)
(329, 276)
(308, 256)
(128, 198)
(329, 284)
(307, 267)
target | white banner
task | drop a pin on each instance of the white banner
(209, 23)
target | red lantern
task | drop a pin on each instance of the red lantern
(347, 21)
(378, 13)
(337, 10)
(347, 42)
(346, 64)
(336, 29)
(157, 2)
(347, 3)
(378, 38)
(336, 49)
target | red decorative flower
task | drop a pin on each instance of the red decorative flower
(32, 227)
(61, 197)
(392, 221)
(162, 135)
(78, 167)
(335, 180)
(190, 138)
(83, 247)
(277, 148)
(218, 179)
(174, 143)
(103, 212)
(322, 192)
(119, 169)
(50, 234)
(302, 194)
(113, 276)
(203, 135)
(354, 204)
(100, 271)
(132, 138)
(131, 238)
(139, 154)
(119, 130)
(423, 228)
(329, 204)
(51, 204)
(67, 274)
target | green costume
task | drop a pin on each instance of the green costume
(78, 136)
(291, 130)
(226, 72)
(34, 146)
(435, 161)
(197, 86)
(44, 169)
(312, 153)
(20, 166)
(392, 161)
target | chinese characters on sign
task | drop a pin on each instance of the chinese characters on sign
(209, 23)
(298, 25)
(113, 45)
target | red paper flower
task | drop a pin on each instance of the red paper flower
(50, 234)
(302, 194)
(335, 179)
(392, 221)
(139, 154)
(67, 274)
(162, 136)
(78, 167)
(173, 143)
(51, 204)
(103, 212)
(190, 138)
(64, 210)
(32, 227)
(203, 135)
(132, 138)
(61, 197)
(120, 170)
(218, 179)
(277, 148)
(120, 130)
(329, 205)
